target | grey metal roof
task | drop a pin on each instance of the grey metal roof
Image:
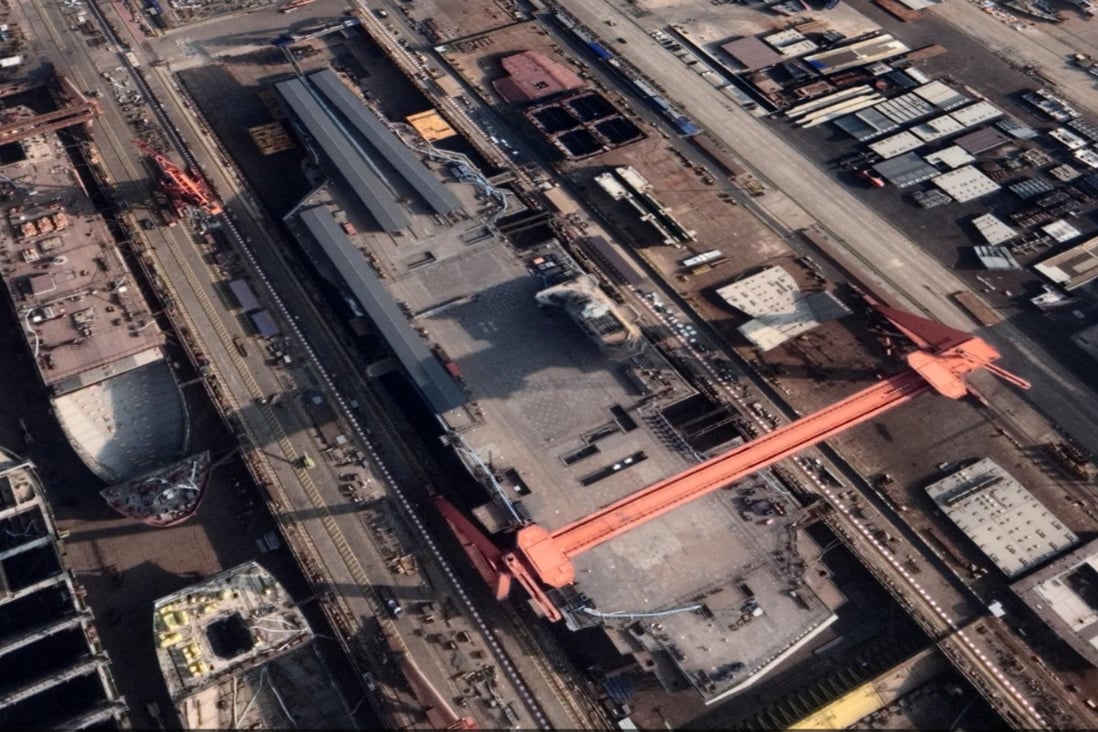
(905, 170)
(752, 53)
(366, 184)
(981, 140)
(438, 387)
(905, 108)
(410, 167)
(244, 295)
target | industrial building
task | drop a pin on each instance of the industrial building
(532, 76)
(437, 386)
(53, 671)
(860, 53)
(1065, 595)
(351, 162)
(779, 309)
(752, 53)
(1000, 516)
(383, 143)
(235, 652)
(1073, 268)
(966, 184)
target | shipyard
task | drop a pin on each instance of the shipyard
(549, 364)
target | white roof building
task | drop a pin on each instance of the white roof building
(780, 310)
(1000, 516)
(965, 184)
(1065, 595)
(992, 229)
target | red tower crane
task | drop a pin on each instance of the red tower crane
(181, 188)
(542, 559)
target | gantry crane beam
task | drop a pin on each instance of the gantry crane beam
(550, 553)
(49, 122)
(543, 558)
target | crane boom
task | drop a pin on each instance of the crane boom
(718, 472)
(181, 187)
(543, 558)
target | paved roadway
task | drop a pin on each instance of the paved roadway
(1040, 44)
(310, 510)
(802, 195)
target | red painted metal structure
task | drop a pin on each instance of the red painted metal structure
(181, 188)
(13, 127)
(543, 558)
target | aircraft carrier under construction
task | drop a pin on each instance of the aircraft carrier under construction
(53, 671)
(558, 405)
(90, 331)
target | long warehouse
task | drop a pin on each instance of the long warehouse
(438, 387)
(366, 184)
(426, 184)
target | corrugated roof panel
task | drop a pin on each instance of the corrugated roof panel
(976, 113)
(367, 185)
(410, 167)
(941, 95)
(996, 258)
(895, 145)
(852, 125)
(426, 372)
(1031, 187)
(878, 121)
(966, 184)
(1016, 129)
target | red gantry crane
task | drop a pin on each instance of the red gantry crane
(542, 559)
(182, 189)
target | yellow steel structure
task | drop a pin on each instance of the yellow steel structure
(430, 125)
(846, 710)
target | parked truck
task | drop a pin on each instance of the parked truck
(1086, 63)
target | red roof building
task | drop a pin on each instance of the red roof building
(532, 76)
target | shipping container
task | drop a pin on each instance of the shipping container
(600, 50)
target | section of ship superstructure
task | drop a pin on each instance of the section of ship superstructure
(53, 672)
(236, 652)
(163, 497)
